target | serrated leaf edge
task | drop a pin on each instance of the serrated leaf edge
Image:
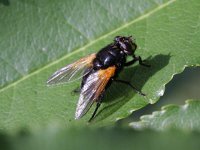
(141, 124)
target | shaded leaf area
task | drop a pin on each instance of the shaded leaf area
(5, 2)
(167, 37)
(184, 117)
(36, 33)
(52, 138)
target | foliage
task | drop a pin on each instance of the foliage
(39, 37)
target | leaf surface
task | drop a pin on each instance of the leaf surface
(37, 38)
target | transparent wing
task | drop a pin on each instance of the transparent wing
(72, 71)
(90, 92)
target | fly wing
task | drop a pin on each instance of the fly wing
(72, 71)
(93, 88)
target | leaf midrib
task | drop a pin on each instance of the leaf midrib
(89, 44)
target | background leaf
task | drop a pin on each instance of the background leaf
(39, 37)
(172, 116)
(51, 138)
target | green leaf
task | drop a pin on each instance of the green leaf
(39, 37)
(51, 138)
(184, 117)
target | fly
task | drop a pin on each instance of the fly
(98, 71)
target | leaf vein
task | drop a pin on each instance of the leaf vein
(90, 43)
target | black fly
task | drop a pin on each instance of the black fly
(98, 71)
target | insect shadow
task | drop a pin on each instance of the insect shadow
(119, 94)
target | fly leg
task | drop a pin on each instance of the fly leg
(77, 90)
(97, 106)
(137, 58)
(129, 84)
(95, 111)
